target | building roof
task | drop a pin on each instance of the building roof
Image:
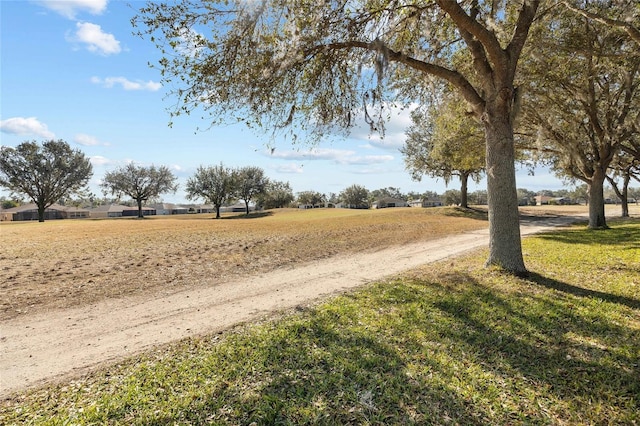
(33, 206)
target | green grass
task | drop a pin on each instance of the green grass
(452, 343)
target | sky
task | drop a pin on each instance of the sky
(73, 70)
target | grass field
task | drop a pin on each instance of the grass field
(451, 343)
(64, 263)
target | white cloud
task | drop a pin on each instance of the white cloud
(94, 39)
(189, 42)
(290, 168)
(70, 8)
(98, 160)
(88, 140)
(338, 156)
(367, 160)
(313, 154)
(127, 84)
(26, 126)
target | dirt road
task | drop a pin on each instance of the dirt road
(64, 343)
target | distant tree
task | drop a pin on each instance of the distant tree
(214, 184)
(479, 197)
(250, 183)
(8, 203)
(276, 196)
(634, 193)
(389, 191)
(623, 169)
(355, 196)
(139, 183)
(413, 195)
(332, 198)
(451, 197)
(580, 192)
(445, 143)
(312, 198)
(44, 173)
(526, 197)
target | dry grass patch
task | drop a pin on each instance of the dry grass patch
(60, 264)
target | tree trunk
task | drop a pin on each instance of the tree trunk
(40, 212)
(217, 211)
(505, 249)
(464, 180)
(624, 196)
(246, 204)
(597, 219)
(140, 216)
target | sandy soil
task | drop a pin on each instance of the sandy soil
(63, 343)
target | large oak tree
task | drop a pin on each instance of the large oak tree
(276, 63)
(250, 183)
(583, 100)
(139, 182)
(45, 173)
(214, 184)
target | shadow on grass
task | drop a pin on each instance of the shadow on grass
(617, 234)
(312, 372)
(445, 350)
(582, 292)
(254, 215)
(469, 212)
(430, 353)
(578, 356)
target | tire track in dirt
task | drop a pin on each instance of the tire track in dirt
(60, 344)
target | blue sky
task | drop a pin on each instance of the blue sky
(72, 70)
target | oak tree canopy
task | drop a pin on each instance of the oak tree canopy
(311, 67)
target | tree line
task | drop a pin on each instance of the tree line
(47, 173)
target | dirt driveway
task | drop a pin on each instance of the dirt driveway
(50, 346)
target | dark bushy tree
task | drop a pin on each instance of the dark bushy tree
(139, 182)
(250, 183)
(45, 173)
(277, 195)
(312, 198)
(214, 184)
(355, 197)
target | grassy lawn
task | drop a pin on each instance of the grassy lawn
(452, 343)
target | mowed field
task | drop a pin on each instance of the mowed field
(69, 263)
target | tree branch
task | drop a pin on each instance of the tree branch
(464, 22)
(633, 32)
(455, 78)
